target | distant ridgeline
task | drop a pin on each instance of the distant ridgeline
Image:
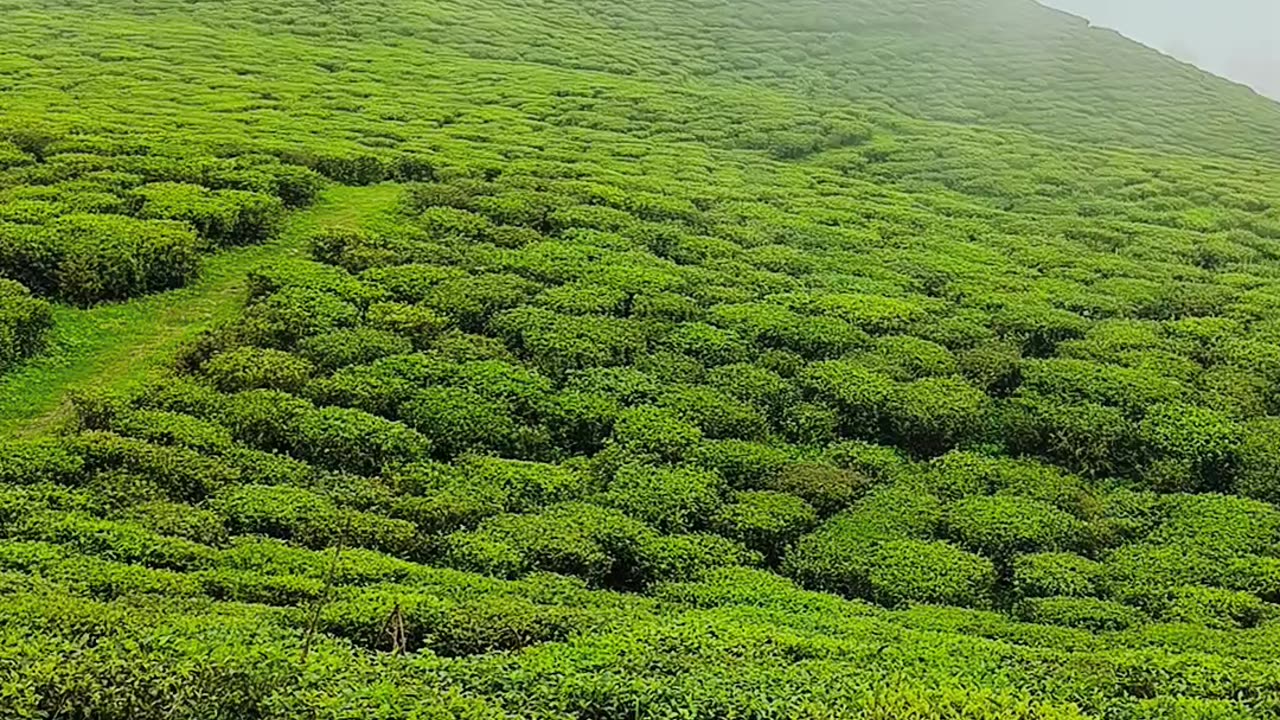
(720, 360)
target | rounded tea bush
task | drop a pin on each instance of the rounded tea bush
(670, 499)
(933, 415)
(1055, 574)
(655, 431)
(1214, 607)
(1004, 525)
(745, 465)
(24, 320)
(826, 487)
(251, 368)
(492, 624)
(1078, 612)
(765, 521)
(359, 346)
(904, 571)
(678, 558)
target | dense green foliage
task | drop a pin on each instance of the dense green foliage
(23, 322)
(721, 360)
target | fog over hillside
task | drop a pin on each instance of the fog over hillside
(1237, 39)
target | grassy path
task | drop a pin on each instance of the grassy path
(121, 345)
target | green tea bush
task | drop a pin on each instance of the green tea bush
(765, 521)
(962, 473)
(288, 273)
(929, 572)
(24, 320)
(456, 421)
(994, 368)
(677, 558)
(179, 520)
(1254, 574)
(354, 441)
(526, 391)
(357, 251)
(296, 186)
(335, 438)
(559, 344)
(1080, 612)
(709, 345)
(471, 302)
(670, 499)
(742, 464)
(841, 554)
(365, 616)
(876, 462)
(1259, 453)
(283, 318)
(349, 168)
(310, 519)
(580, 422)
(181, 474)
(232, 585)
(250, 368)
(754, 385)
(223, 217)
(656, 431)
(381, 387)
(501, 624)
(1089, 438)
(420, 325)
(161, 427)
(269, 468)
(1214, 607)
(528, 485)
(828, 489)
(1003, 525)
(1224, 525)
(932, 415)
(86, 259)
(454, 506)
(627, 385)
(860, 396)
(717, 415)
(907, 358)
(594, 543)
(44, 460)
(1199, 445)
(1055, 574)
(263, 419)
(408, 283)
(1141, 572)
(182, 394)
(359, 346)
(277, 511)
(457, 346)
(125, 542)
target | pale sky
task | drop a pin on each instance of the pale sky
(1237, 39)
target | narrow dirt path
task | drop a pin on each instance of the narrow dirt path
(122, 345)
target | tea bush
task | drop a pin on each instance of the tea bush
(24, 320)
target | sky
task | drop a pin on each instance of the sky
(1237, 39)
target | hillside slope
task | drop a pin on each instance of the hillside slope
(1004, 63)
(658, 360)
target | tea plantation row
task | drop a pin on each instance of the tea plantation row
(509, 382)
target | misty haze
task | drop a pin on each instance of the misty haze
(1232, 38)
